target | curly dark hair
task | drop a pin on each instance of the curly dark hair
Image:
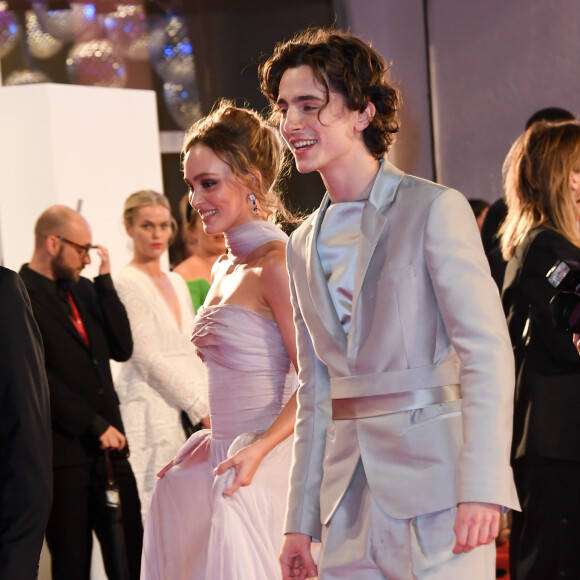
(343, 63)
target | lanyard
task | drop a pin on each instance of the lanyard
(76, 319)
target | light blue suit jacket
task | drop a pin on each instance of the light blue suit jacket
(425, 312)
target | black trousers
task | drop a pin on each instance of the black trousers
(79, 508)
(545, 535)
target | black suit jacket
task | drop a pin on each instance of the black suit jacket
(547, 397)
(82, 397)
(25, 443)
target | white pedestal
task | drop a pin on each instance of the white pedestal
(74, 145)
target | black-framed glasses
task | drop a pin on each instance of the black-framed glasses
(81, 250)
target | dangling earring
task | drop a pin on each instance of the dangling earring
(252, 199)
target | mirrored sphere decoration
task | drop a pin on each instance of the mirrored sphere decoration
(86, 23)
(183, 104)
(9, 30)
(171, 51)
(40, 43)
(127, 29)
(26, 77)
(97, 64)
(58, 23)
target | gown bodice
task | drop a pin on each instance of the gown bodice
(247, 368)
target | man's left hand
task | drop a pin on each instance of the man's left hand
(476, 524)
(112, 438)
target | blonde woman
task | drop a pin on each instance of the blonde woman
(163, 377)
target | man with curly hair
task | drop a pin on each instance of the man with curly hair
(401, 454)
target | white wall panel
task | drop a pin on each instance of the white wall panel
(64, 143)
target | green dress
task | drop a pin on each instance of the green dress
(198, 290)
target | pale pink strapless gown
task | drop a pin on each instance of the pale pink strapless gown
(193, 531)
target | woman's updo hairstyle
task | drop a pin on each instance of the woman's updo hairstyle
(251, 147)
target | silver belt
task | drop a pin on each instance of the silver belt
(385, 404)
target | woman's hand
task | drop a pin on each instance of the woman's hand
(245, 462)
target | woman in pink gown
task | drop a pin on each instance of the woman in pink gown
(217, 510)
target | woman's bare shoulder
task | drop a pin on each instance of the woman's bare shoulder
(273, 263)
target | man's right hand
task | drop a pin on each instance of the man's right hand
(105, 266)
(112, 439)
(296, 558)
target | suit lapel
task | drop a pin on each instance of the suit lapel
(374, 220)
(317, 284)
(56, 311)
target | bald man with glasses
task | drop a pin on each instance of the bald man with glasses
(83, 325)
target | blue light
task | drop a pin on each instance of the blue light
(167, 50)
(186, 48)
(13, 29)
(184, 94)
(89, 11)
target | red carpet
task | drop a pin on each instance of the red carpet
(502, 561)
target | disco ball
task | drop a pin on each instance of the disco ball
(127, 30)
(26, 77)
(58, 23)
(183, 104)
(9, 31)
(96, 63)
(171, 51)
(40, 43)
(86, 23)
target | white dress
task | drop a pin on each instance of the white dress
(162, 377)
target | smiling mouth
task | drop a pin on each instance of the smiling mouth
(206, 214)
(303, 144)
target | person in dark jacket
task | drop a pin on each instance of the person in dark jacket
(542, 184)
(83, 325)
(25, 442)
